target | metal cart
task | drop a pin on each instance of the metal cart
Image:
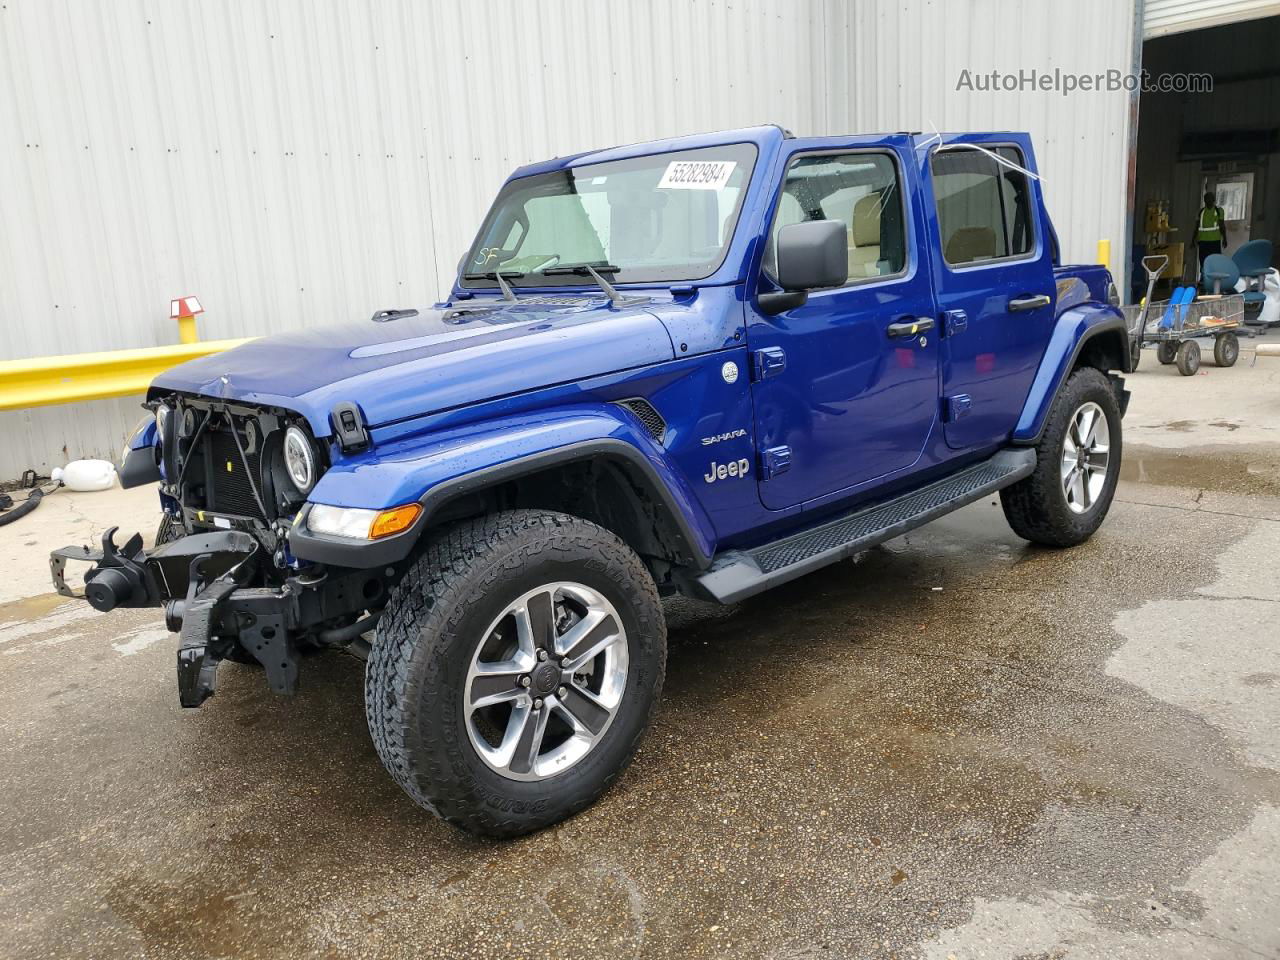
(1212, 316)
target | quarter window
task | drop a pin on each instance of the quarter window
(859, 189)
(984, 207)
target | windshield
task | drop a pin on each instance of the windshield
(654, 219)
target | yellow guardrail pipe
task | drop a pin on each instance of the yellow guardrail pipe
(42, 381)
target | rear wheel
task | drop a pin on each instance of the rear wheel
(515, 669)
(1226, 349)
(1166, 352)
(1188, 358)
(1068, 495)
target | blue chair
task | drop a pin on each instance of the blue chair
(1219, 274)
(1253, 259)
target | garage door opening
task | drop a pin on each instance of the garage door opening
(1221, 138)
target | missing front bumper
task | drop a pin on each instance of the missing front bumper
(199, 580)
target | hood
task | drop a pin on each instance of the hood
(444, 357)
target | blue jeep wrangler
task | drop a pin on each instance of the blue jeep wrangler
(706, 366)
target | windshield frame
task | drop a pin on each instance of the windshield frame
(535, 280)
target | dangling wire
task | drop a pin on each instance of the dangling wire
(1003, 161)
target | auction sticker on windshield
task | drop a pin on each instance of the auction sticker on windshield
(697, 174)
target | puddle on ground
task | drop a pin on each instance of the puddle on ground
(31, 608)
(1237, 469)
(839, 768)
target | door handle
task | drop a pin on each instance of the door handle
(911, 327)
(1029, 302)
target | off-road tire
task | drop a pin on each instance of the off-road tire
(1226, 349)
(1166, 352)
(435, 617)
(1036, 506)
(1188, 358)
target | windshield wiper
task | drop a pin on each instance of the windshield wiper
(498, 276)
(596, 272)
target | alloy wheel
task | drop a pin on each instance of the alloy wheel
(545, 681)
(1086, 451)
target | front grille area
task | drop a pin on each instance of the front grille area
(229, 484)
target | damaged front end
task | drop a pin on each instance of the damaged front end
(226, 580)
(204, 584)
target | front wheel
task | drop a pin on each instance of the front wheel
(1068, 495)
(514, 670)
(1167, 352)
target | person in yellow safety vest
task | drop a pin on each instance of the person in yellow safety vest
(1211, 229)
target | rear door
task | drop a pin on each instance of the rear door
(993, 273)
(844, 392)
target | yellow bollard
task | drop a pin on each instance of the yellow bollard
(185, 310)
(1104, 252)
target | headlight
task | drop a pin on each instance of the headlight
(299, 459)
(1113, 295)
(354, 523)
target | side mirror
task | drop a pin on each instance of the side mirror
(810, 256)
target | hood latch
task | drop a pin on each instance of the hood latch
(348, 427)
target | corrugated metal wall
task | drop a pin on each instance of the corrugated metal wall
(298, 163)
(904, 60)
(1163, 17)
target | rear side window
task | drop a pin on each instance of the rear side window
(984, 207)
(859, 189)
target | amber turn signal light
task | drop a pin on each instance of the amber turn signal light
(396, 520)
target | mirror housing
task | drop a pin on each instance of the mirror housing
(813, 255)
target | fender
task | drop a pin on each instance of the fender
(436, 468)
(1074, 328)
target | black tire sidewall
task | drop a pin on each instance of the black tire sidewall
(441, 716)
(1188, 358)
(1226, 350)
(446, 769)
(1084, 387)
(1036, 506)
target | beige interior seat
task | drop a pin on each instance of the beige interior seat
(864, 238)
(971, 243)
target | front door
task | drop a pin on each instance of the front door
(844, 392)
(994, 281)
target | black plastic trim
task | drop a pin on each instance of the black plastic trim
(356, 554)
(363, 555)
(139, 468)
(737, 574)
(1105, 326)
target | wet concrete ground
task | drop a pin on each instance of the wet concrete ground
(959, 747)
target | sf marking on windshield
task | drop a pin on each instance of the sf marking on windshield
(723, 471)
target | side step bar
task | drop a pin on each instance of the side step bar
(738, 574)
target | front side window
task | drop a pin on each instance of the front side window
(859, 189)
(984, 206)
(660, 218)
